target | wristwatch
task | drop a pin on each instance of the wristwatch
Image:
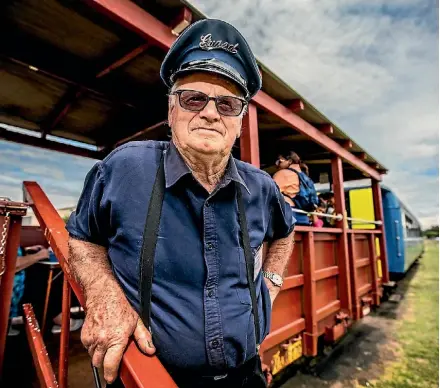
(273, 277)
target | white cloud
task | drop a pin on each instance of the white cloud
(371, 67)
(61, 176)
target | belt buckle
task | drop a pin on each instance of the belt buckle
(220, 377)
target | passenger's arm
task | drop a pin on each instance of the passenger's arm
(26, 261)
(276, 260)
(110, 319)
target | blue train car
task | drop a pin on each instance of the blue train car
(403, 231)
(403, 235)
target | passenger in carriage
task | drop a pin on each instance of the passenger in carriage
(25, 258)
(318, 221)
(296, 186)
(212, 290)
(328, 199)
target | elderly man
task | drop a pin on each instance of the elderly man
(194, 214)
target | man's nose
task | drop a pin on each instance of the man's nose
(210, 112)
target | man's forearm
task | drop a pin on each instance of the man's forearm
(90, 267)
(276, 260)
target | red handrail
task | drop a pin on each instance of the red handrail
(45, 373)
(137, 369)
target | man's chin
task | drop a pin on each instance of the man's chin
(209, 147)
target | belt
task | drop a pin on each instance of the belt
(229, 378)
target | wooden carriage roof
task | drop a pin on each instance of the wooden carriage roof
(69, 70)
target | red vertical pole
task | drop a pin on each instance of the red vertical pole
(356, 306)
(65, 334)
(378, 212)
(249, 145)
(311, 332)
(7, 280)
(373, 264)
(343, 256)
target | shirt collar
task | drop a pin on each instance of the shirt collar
(174, 165)
(232, 174)
(176, 168)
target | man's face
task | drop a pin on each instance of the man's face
(206, 132)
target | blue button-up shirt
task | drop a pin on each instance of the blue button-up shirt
(201, 315)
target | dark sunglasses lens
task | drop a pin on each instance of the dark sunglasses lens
(229, 106)
(192, 100)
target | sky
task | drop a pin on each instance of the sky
(370, 66)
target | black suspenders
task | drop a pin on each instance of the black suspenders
(148, 250)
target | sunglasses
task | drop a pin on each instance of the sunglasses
(195, 101)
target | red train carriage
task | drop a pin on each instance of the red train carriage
(89, 71)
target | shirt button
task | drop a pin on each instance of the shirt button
(209, 246)
(215, 344)
(207, 204)
(211, 293)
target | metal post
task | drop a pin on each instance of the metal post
(356, 305)
(42, 363)
(64, 336)
(311, 332)
(378, 213)
(46, 301)
(343, 256)
(373, 265)
(249, 145)
(15, 211)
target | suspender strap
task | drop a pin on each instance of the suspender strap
(148, 250)
(249, 261)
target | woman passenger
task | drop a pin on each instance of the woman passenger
(288, 181)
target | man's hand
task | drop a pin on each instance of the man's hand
(109, 323)
(273, 290)
(34, 248)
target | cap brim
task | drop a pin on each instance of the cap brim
(213, 67)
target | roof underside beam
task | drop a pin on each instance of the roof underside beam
(269, 104)
(147, 26)
(74, 92)
(64, 79)
(47, 144)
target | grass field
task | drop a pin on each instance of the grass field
(417, 331)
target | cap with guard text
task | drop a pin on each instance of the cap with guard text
(213, 46)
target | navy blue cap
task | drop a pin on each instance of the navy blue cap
(213, 46)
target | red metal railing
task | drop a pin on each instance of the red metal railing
(310, 303)
(45, 373)
(137, 369)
